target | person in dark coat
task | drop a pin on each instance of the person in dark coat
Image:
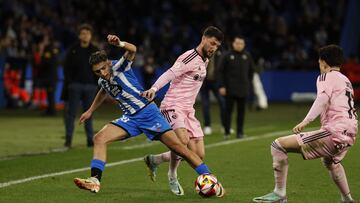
(79, 83)
(235, 75)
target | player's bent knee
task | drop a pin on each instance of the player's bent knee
(99, 138)
(329, 164)
(179, 149)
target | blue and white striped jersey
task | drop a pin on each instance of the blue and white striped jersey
(124, 87)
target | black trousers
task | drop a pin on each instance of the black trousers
(78, 94)
(241, 103)
(207, 87)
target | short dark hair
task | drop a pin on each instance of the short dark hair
(213, 31)
(332, 54)
(85, 26)
(238, 36)
(97, 57)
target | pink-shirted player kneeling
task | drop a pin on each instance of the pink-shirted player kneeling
(334, 103)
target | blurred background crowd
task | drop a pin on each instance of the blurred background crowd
(280, 34)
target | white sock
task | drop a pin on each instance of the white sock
(174, 164)
(163, 157)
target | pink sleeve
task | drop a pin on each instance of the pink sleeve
(164, 79)
(176, 70)
(318, 107)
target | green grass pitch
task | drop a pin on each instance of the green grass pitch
(29, 144)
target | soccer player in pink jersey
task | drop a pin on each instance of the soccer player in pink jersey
(186, 77)
(334, 103)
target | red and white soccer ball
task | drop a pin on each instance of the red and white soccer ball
(206, 185)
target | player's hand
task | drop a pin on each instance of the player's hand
(113, 40)
(86, 115)
(148, 94)
(300, 127)
(222, 91)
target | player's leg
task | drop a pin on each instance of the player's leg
(279, 149)
(197, 145)
(153, 161)
(175, 160)
(176, 119)
(106, 135)
(338, 175)
(194, 161)
(196, 135)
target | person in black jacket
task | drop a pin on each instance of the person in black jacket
(79, 84)
(235, 75)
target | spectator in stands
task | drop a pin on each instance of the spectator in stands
(48, 72)
(235, 75)
(80, 83)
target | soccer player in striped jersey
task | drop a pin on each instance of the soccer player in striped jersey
(117, 79)
(334, 103)
(186, 77)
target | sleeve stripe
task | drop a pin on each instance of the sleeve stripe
(190, 59)
(322, 77)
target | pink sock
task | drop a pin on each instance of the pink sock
(338, 175)
(174, 164)
(280, 167)
(163, 157)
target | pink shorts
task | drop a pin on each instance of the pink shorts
(320, 143)
(179, 118)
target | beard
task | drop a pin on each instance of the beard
(206, 53)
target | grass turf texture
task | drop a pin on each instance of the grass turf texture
(27, 142)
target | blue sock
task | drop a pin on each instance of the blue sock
(97, 167)
(202, 169)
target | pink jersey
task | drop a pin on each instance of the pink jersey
(338, 114)
(186, 76)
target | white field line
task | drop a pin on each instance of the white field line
(14, 182)
(149, 144)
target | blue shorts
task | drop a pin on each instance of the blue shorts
(148, 120)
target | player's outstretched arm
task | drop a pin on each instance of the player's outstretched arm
(130, 48)
(100, 97)
(317, 108)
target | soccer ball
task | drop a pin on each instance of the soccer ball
(206, 185)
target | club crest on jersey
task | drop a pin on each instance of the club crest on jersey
(196, 77)
(115, 90)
